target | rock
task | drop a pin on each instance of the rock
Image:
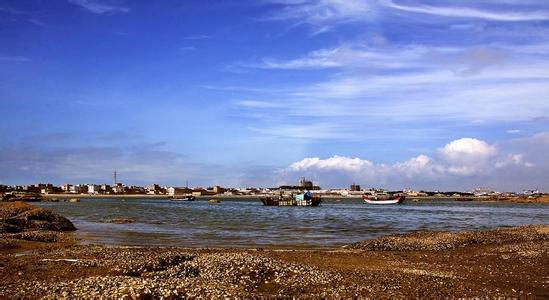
(7, 197)
(19, 216)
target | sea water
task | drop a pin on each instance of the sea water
(247, 223)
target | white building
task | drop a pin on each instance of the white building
(94, 188)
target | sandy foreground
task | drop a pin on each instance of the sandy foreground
(511, 262)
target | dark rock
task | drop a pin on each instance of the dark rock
(43, 219)
(19, 217)
(8, 228)
(8, 197)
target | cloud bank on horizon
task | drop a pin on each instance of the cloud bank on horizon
(394, 93)
(465, 161)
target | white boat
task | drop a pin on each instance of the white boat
(383, 199)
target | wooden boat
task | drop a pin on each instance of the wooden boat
(183, 198)
(383, 198)
(214, 201)
(305, 199)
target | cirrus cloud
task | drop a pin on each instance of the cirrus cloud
(100, 7)
(470, 12)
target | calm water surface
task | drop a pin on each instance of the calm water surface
(247, 223)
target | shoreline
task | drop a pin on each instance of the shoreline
(491, 263)
(514, 199)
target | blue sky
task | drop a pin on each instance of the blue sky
(392, 93)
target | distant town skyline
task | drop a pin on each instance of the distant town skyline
(430, 95)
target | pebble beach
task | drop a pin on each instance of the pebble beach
(46, 261)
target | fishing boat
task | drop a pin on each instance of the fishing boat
(183, 198)
(214, 201)
(304, 199)
(383, 198)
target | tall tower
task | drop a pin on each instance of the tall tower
(114, 178)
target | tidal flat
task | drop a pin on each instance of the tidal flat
(44, 259)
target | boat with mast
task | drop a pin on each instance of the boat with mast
(183, 197)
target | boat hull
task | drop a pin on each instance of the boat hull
(188, 198)
(385, 200)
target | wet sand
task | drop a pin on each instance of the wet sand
(510, 262)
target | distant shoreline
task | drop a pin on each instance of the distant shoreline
(516, 199)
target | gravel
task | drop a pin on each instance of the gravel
(432, 241)
(142, 273)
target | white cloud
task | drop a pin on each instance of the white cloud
(257, 104)
(467, 12)
(100, 7)
(461, 164)
(369, 56)
(349, 55)
(396, 85)
(323, 14)
(198, 37)
(418, 81)
(513, 159)
(468, 156)
(461, 157)
(533, 148)
(517, 93)
(468, 148)
(421, 165)
(336, 162)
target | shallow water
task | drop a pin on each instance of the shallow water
(247, 223)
